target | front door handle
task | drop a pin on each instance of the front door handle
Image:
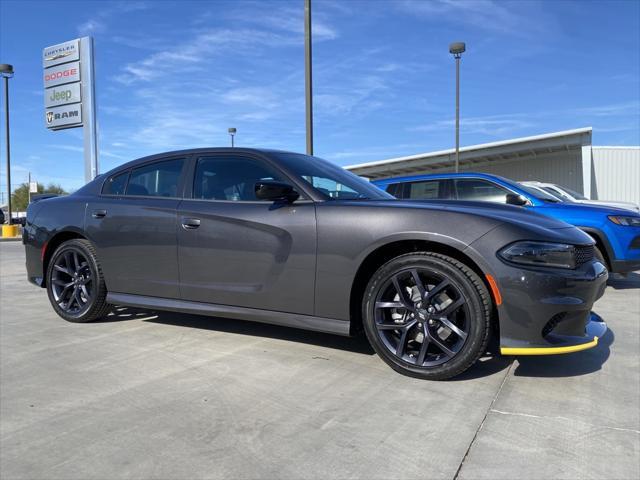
(99, 213)
(190, 223)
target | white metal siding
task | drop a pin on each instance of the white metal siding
(616, 173)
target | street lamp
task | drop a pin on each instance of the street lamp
(232, 132)
(6, 71)
(457, 49)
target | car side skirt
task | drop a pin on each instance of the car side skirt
(295, 320)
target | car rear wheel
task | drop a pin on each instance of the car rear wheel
(427, 315)
(75, 284)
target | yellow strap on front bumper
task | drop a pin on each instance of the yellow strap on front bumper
(548, 350)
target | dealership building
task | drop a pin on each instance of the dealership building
(566, 158)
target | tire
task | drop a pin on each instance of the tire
(75, 284)
(451, 308)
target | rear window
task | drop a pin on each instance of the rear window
(116, 184)
(158, 179)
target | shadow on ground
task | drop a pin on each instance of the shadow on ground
(569, 365)
(620, 282)
(356, 344)
(580, 363)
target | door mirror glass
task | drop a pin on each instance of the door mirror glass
(272, 190)
(518, 200)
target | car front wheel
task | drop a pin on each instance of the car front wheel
(427, 315)
(75, 284)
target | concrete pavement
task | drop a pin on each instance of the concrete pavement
(163, 395)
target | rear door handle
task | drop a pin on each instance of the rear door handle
(190, 223)
(99, 213)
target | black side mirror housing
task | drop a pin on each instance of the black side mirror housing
(515, 199)
(273, 190)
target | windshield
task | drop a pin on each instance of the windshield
(558, 193)
(331, 180)
(576, 195)
(536, 192)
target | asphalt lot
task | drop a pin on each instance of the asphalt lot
(164, 395)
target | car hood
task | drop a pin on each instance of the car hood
(495, 211)
(587, 209)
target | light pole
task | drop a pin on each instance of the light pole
(308, 83)
(232, 132)
(6, 71)
(457, 49)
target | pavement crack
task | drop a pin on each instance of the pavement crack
(486, 414)
(547, 417)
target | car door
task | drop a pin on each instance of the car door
(133, 227)
(234, 249)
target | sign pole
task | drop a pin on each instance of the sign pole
(89, 107)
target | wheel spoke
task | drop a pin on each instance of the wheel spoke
(453, 307)
(423, 351)
(76, 260)
(402, 343)
(76, 295)
(85, 291)
(389, 305)
(419, 284)
(68, 259)
(438, 343)
(62, 269)
(62, 283)
(408, 304)
(396, 326)
(437, 289)
(452, 326)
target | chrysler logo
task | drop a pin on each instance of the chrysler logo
(57, 56)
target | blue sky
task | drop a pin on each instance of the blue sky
(177, 74)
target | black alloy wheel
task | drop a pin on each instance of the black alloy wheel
(75, 284)
(72, 281)
(427, 315)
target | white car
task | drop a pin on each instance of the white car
(567, 195)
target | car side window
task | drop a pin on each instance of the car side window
(480, 190)
(159, 179)
(395, 189)
(230, 178)
(116, 184)
(426, 190)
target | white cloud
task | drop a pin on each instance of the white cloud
(485, 125)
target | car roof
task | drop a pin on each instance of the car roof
(437, 176)
(192, 151)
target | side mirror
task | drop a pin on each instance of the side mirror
(518, 200)
(273, 190)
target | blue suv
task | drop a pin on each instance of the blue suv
(616, 231)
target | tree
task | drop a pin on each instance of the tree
(20, 196)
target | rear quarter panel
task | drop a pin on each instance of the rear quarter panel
(46, 219)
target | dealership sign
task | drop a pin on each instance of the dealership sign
(66, 115)
(69, 94)
(62, 95)
(61, 53)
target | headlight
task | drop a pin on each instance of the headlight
(626, 221)
(540, 254)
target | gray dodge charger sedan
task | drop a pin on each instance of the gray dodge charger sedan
(289, 239)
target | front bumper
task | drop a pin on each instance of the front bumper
(594, 330)
(549, 311)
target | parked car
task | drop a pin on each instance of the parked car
(294, 240)
(567, 195)
(616, 231)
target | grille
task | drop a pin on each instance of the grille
(553, 323)
(584, 254)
